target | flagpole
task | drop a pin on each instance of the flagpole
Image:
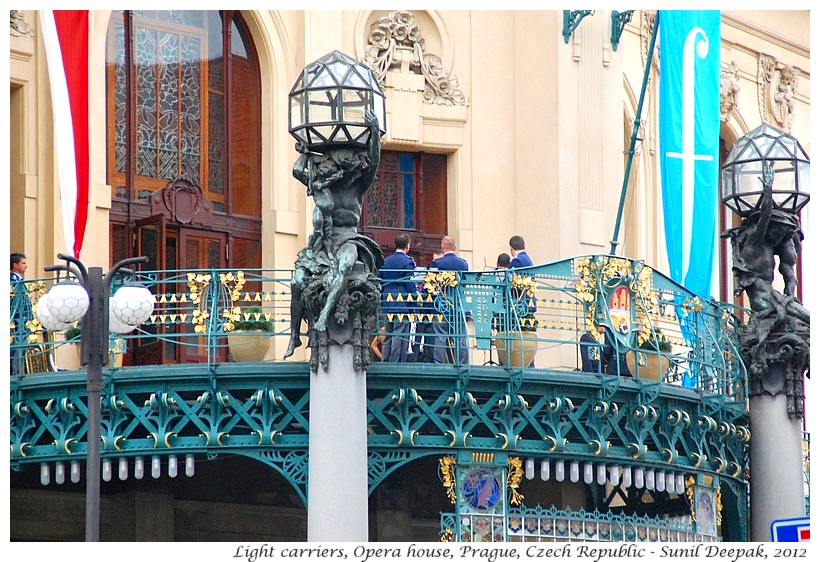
(635, 126)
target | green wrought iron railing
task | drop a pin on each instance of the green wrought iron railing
(535, 317)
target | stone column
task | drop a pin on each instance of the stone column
(776, 455)
(337, 471)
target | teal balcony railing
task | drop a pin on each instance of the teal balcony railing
(534, 382)
(535, 317)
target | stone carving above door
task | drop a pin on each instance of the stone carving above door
(183, 202)
(395, 43)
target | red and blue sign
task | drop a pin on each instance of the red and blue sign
(791, 530)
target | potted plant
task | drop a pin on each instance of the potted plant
(515, 338)
(650, 362)
(70, 358)
(249, 334)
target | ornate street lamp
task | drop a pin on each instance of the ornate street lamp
(742, 172)
(765, 179)
(328, 103)
(337, 116)
(89, 302)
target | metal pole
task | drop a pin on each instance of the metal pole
(634, 140)
(94, 351)
(94, 354)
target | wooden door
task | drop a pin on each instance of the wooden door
(199, 249)
(150, 241)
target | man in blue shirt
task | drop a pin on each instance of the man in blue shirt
(450, 261)
(398, 295)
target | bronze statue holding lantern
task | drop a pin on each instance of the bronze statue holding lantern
(335, 287)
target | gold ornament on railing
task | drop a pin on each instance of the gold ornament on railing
(447, 470)
(234, 284)
(197, 283)
(523, 285)
(437, 282)
(514, 474)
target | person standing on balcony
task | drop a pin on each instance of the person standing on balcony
(519, 252)
(398, 294)
(20, 308)
(450, 261)
(521, 259)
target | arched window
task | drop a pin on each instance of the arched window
(184, 103)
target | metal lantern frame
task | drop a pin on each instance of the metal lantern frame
(328, 103)
(742, 173)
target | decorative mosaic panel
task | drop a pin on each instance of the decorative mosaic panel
(482, 501)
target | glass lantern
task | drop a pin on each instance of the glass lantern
(742, 172)
(328, 103)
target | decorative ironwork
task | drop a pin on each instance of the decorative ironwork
(447, 471)
(197, 284)
(572, 18)
(605, 278)
(514, 474)
(234, 284)
(477, 407)
(619, 21)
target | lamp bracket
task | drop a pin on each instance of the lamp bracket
(571, 20)
(619, 21)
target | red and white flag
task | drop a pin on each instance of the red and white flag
(65, 33)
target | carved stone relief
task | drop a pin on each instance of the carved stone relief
(183, 202)
(647, 22)
(729, 89)
(18, 26)
(776, 91)
(395, 43)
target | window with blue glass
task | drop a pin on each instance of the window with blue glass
(409, 194)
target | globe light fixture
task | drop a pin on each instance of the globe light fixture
(114, 324)
(67, 302)
(132, 304)
(48, 321)
(328, 103)
(742, 173)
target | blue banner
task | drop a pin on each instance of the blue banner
(689, 123)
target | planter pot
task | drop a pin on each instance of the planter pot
(522, 348)
(249, 346)
(654, 368)
(67, 358)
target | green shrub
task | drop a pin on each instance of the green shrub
(253, 324)
(73, 332)
(657, 342)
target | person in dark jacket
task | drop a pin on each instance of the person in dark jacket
(398, 295)
(21, 311)
(615, 362)
(520, 256)
(450, 261)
